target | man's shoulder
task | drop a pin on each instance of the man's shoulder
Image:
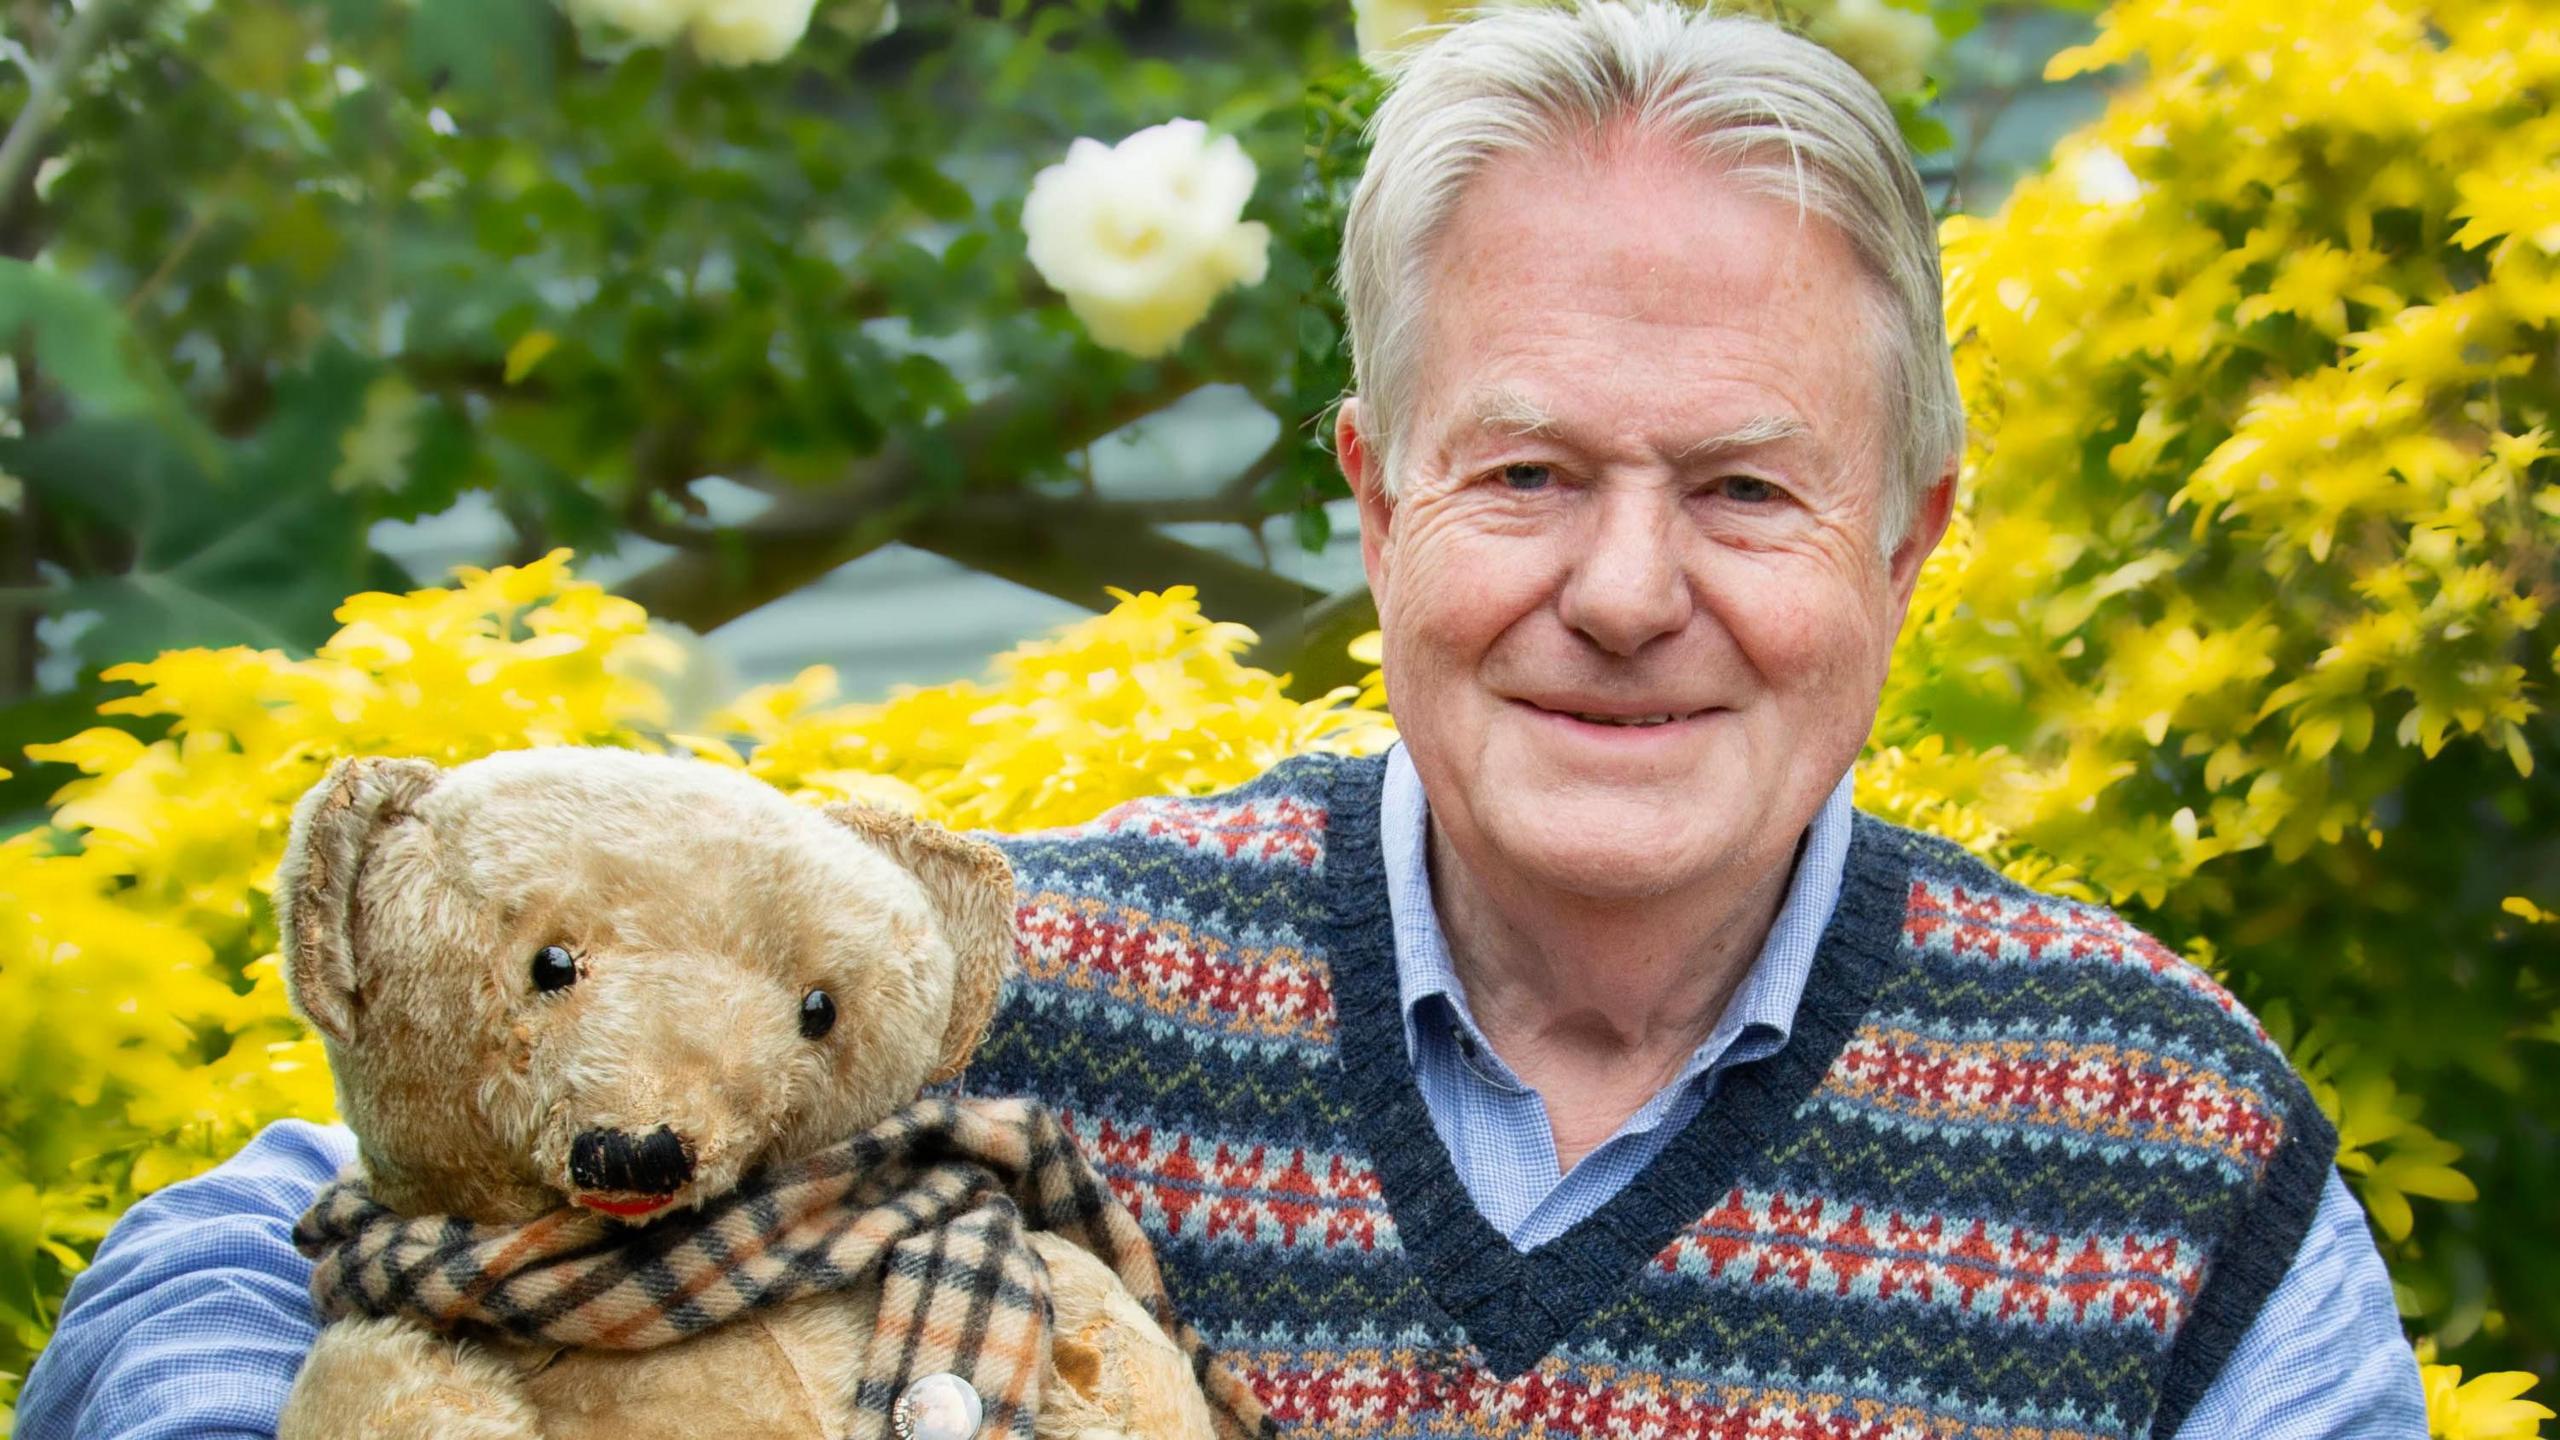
(1280, 818)
(1167, 939)
(2027, 960)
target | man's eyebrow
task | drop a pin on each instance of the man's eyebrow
(1514, 413)
(1505, 409)
(1750, 434)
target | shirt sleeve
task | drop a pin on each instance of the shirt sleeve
(2325, 1358)
(196, 1314)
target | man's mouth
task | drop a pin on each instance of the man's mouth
(1633, 721)
(1620, 719)
(623, 1207)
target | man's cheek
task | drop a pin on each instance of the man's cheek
(1473, 578)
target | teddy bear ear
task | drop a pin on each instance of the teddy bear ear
(970, 887)
(333, 825)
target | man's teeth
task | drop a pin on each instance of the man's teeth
(1625, 719)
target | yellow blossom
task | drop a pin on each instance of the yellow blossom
(2485, 1407)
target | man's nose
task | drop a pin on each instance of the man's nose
(1627, 587)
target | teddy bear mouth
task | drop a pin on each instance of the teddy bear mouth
(621, 1206)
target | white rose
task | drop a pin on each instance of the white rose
(651, 22)
(1889, 45)
(749, 32)
(1140, 237)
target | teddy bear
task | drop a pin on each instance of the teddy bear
(635, 1049)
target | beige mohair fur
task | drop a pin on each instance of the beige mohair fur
(701, 906)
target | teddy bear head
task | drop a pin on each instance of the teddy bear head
(622, 981)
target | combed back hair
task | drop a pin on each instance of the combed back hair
(1774, 111)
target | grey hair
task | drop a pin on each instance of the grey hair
(1775, 111)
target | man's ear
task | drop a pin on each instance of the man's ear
(970, 888)
(334, 825)
(1928, 527)
(1363, 469)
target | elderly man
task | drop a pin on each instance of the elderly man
(1588, 1066)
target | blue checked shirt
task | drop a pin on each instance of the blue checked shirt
(196, 1314)
(2324, 1360)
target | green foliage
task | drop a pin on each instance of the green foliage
(313, 266)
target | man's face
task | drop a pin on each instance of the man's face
(1635, 614)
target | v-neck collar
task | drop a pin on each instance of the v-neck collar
(1515, 1306)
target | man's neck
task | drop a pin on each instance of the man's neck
(1598, 1006)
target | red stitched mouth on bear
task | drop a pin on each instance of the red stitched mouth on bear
(629, 1207)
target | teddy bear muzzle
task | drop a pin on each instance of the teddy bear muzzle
(627, 1175)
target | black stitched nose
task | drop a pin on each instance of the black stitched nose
(657, 1163)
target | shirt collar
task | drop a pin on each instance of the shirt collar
(1763, 1006)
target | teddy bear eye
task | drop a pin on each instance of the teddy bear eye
(554, 968)
(817, 1014)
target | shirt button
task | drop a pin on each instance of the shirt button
(941, 1406)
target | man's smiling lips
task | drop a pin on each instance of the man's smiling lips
(1616, 718)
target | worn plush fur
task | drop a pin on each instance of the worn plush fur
(702, 907)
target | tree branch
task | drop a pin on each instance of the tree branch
(807, 533)
(19, 152)
(1072, 549)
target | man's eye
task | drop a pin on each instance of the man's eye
(1749, 489)
(1527, 477)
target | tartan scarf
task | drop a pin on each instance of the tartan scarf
(932, 1204)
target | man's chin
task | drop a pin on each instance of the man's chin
(1604, 854)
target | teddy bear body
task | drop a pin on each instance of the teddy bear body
(594, 979)
(783, 1373)
(780, 1373)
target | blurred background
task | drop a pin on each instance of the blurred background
(537, 293)
(839, 335)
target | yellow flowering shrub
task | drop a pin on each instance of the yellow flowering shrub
(143, 1027)
(2246, 624)
(1149, 699)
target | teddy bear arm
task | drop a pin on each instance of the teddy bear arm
(1118, 1376)
(393, 1380)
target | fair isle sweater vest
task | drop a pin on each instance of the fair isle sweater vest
(2020, 1172)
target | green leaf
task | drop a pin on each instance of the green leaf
(255, 548)
(1314, 527)
(375, 452)
(528, 352)
(81, 339)
(487, 49)
(936, 194)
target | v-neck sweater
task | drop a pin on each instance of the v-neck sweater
(2019, 1170)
